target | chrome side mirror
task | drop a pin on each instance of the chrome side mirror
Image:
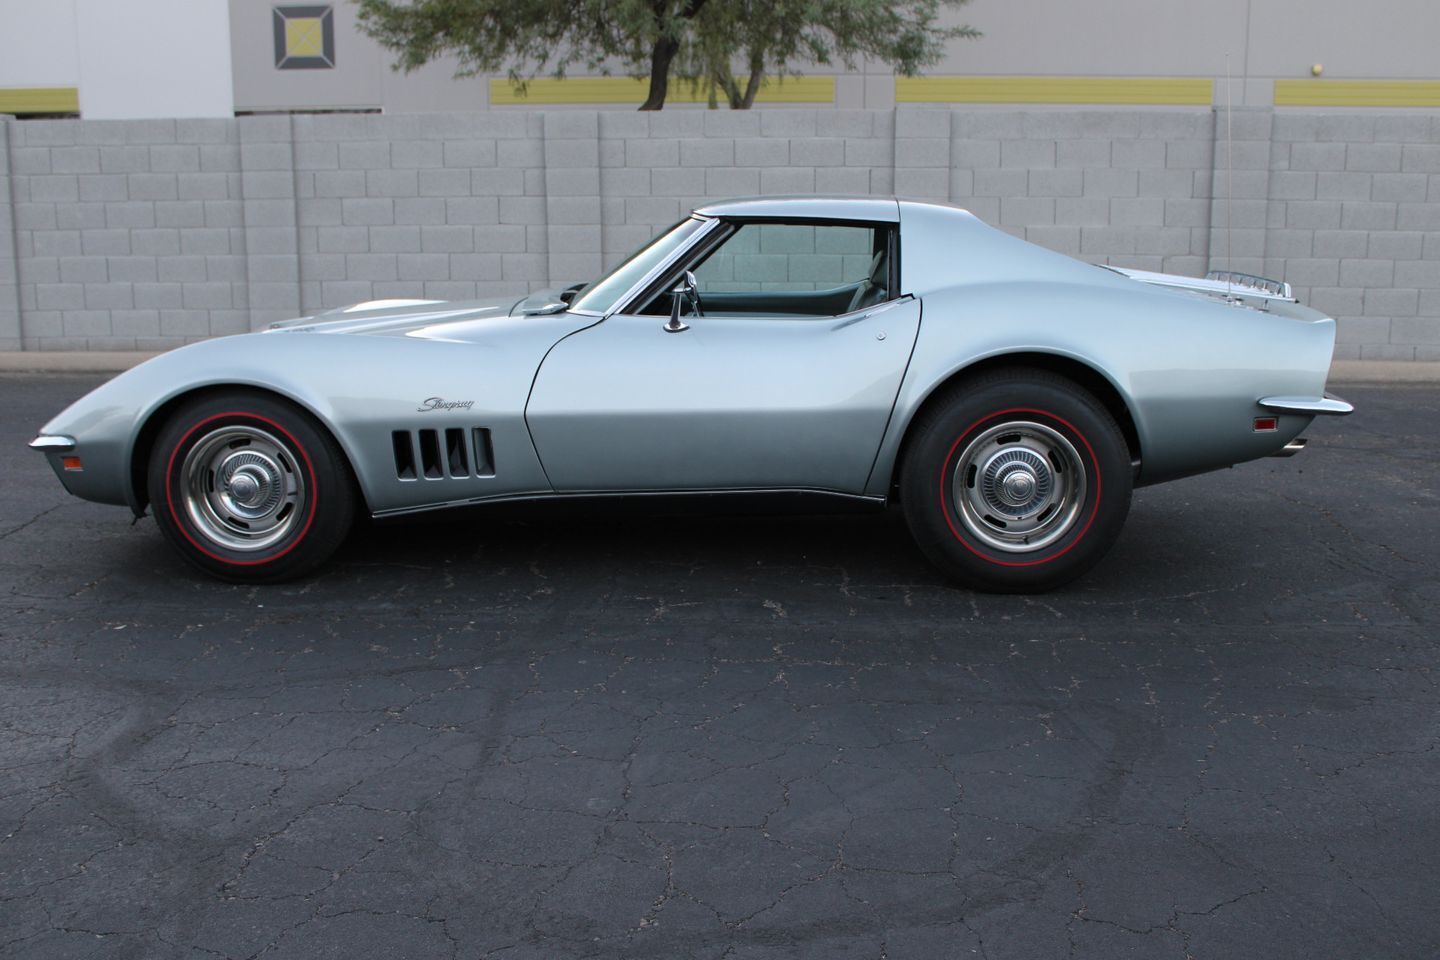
(689, 289)
(675, 324)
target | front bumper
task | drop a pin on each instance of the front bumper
(53, 443)
(90, 469)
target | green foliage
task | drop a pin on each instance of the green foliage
(521, 37)
(701, 39)
(768, 37)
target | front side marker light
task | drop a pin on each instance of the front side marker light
(72, 464)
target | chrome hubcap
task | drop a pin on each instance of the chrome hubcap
(242, 489)
(1018, 487)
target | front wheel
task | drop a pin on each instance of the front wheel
(249, 488)
(1017, 481)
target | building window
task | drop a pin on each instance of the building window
(304, 38)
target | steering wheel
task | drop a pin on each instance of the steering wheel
(692, 292)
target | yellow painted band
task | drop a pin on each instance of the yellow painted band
(1357, 93)
(39, 100)
(545, 90)
(1140, 90)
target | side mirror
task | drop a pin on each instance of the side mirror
(689, 289)
(676, 325)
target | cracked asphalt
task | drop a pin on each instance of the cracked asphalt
(597, 736)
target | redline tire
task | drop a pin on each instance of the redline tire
(1017, 481)
(249, 488)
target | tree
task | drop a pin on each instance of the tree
(527, 37)
(698, 39)
(768, 36)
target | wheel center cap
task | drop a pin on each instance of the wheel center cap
(1018, 486)
(245, 488)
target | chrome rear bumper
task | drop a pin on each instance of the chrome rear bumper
(1328, 406)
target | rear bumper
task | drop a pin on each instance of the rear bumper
(1326, 406)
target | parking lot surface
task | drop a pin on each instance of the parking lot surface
(618, 737)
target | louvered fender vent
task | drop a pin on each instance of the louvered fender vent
(454, 453)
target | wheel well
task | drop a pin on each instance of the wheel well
(150, 429)
(1083, 375)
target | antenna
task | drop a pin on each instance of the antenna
(1229, 184)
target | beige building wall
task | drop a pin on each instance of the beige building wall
(109, 60)
(151, 58)
(1037, 40)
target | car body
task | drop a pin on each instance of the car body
(805, 338)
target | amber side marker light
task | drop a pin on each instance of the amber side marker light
(1267, 424)
(72, 464)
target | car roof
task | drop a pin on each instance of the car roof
(885, 209)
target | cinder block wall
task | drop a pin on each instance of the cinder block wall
(149, 234)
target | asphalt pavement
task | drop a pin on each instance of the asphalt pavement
(657, 737)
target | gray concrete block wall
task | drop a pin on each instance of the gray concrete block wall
(1129, 188)
(655, 168)
(149, 234)
(1354, 224)
(9, 278)
(433, 206)
(128, 234)
(268, 223)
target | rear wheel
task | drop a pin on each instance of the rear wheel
(1017, 481)
(249, 488)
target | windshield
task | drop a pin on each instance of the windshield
(601, 295)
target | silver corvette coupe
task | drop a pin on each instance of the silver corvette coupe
(1007, 398)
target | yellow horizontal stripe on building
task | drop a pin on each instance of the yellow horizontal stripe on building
(581, 90)
(1132, 90)
(39, 100)
(1357, 93)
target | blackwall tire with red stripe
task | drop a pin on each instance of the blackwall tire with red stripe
(250, 488)
(1015, 481)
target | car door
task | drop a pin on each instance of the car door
(786, 381)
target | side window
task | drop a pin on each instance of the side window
(792, 270)
(789, 256)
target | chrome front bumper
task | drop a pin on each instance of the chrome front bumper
(53, 444)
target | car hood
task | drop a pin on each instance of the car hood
(427, 319)
(431, 319)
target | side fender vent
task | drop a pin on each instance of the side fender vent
(454, 452)
(430, 454)
(404, 454)
(484, 453)
(455, 456)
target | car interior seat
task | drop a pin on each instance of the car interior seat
(874, 289)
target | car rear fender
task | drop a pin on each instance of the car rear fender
(1189, 370)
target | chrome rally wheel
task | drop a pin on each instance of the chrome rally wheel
(244, 490)
(1018, 486)
(1017, 480)
(249, 487)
